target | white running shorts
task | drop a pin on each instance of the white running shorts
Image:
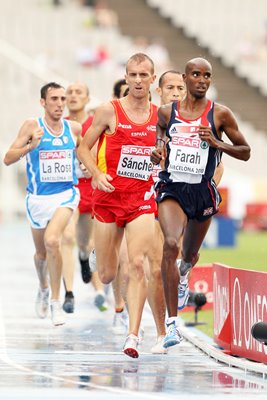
(41, 208)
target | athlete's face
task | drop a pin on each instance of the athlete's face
(198, 78)
(77, 97)
(172, 88)
(54, 103)
(139, 77)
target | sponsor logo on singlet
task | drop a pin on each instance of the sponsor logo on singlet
(57, 142)
(124, 126)
(141, 134)
(151, 128)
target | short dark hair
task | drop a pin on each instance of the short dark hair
(170, 71)
(117, 87)
(49, 85)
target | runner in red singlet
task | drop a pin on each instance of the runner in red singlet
(123, 199)
(77, 96)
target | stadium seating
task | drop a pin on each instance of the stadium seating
(228, 29)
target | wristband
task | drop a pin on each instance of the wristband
(161, 141)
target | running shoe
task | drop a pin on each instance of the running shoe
(42, 303)
(183, 289)
(120, 322)
(92, 261)
(68, 305)
(100, 301)
(130, 346)
(85, 270)
(57, 314)
(158, 348)
(173, 335)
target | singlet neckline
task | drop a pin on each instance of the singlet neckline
(128, 118)
(49, 129)
(195, 119)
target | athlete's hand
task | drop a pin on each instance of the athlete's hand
(206, 134)
(157, 155)
(36, 137)
(101, 182)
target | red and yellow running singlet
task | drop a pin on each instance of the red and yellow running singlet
(125, 154)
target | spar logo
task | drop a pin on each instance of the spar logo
(54, 155)
(136, 150)
(186, 141)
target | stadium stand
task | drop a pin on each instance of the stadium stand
(235, 32)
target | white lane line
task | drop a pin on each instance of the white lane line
(4, 357)
(100, 353)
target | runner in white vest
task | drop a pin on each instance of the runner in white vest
(49, 145)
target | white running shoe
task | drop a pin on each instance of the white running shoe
(42, 303)
(57, 314)
(120, 322)
(173, 335)
(92, 261)
(158, 348)
(131, 345)
(183, 289)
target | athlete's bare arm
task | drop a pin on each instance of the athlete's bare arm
(104, 122)
(225, 122)
(158, 154)
(28, 138)
(76, 129)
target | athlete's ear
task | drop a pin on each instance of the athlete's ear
(42, 102)
(159, 91)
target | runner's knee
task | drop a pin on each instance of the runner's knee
(106, 276)
(171, 247)
(39, 258)
(52, 243)
(137, 269)
(68, 239)
(155, 275)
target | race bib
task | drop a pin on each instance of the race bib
(56, 166)
(155, 173)
(135, 162)
(188, 154)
